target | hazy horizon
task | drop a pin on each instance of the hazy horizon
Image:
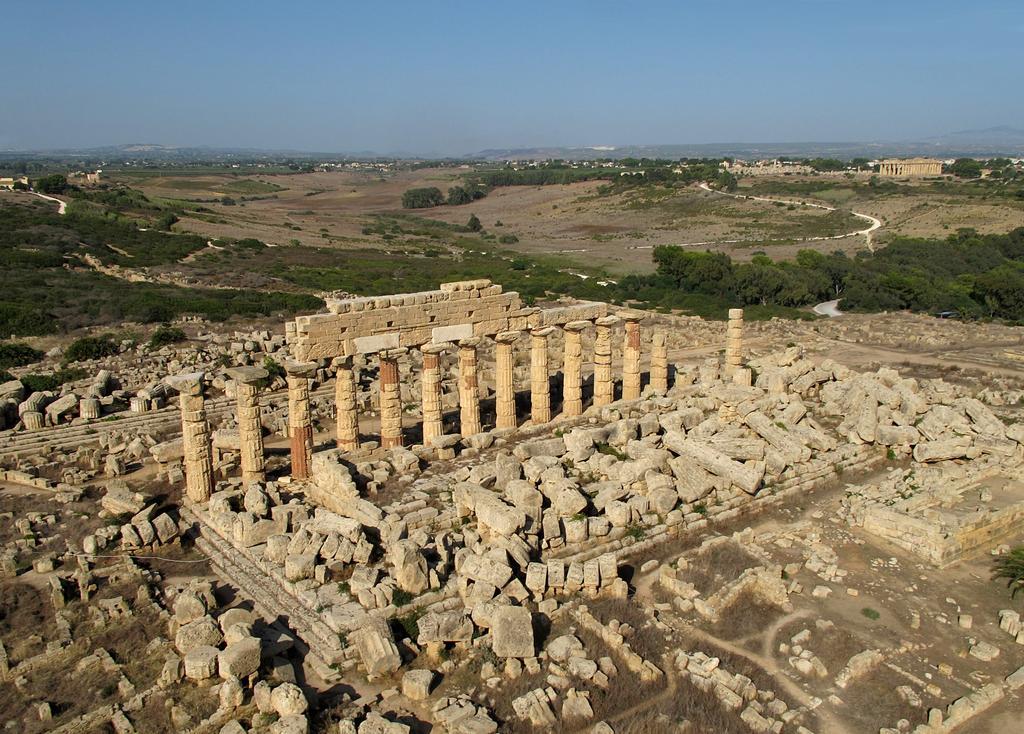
(462, 78)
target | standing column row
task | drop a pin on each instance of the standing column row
(631, 357)
(540, 387)
(469, 388)
(604, 385)
(572, 369)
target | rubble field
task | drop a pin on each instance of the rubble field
(765, 527)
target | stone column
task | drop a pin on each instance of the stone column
(390, 399)
(572, 369)
(540, 386)
(90, 408)
(469, 389)
(504, 373)
(433, 425)
(250, 428)
(195, 437)
(300, 424)
(734, 341)
(659, 363)
(604, 386)
(631, 357)
(345, 411)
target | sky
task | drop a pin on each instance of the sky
(452, 77)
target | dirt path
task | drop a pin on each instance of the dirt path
(867, 232)
(62, 206)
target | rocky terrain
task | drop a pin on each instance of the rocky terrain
(799, 542)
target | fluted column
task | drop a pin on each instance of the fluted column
(631, 356)
(345, 410)
(469, 388)
(300, 422)
(390, 399)
(572, 369)
(659, 363)
(248, 381)
(430, 380)
(734, 341)
(504, 374)
(540, 387)
(604, 386)
(195, 436)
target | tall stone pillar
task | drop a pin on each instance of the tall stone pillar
(604, 386)
(734, 341)
(540, 387)
(195, 437)
(300, 422)
(390, 399)
(504, 374)
(659, 363)
(345, 410)
(631, 356)
(469, 388)
(433, 425)
(250, 428)
(572, 369)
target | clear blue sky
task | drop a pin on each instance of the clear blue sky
(455, 77)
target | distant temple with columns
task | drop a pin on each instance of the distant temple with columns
(910, 167)
(458, 317)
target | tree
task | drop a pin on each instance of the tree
(965, 168)
(457, 196)
(474, 224)
(52, 184)
(422, 198)
(1010, 568)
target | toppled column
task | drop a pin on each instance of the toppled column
(433, 426)
(390, 399)
(540, 387)
(504, 372)
(659, 363)
(300, 425)
(346, 412)
(734, 341)
(33, 420)
(604, 386)
(631, 356)
(195, 436)
(90, 408)
(572, 369)
(250, 429)
(469, 389)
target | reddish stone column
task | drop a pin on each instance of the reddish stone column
(572, 369)
(433, 424)
(631, 356)
(390, 399)
(540, 387)
(300, 423)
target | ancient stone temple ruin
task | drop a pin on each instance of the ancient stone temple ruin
(910, 167)
(458, 318)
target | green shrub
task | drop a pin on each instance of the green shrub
(53, 381)
(90, 347)
(18, 354)
(870, 613)
(166, 335)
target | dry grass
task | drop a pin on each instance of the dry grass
(746, 616)
(717, 566)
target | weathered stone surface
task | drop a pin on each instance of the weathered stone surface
(239, 659)
(512, 632)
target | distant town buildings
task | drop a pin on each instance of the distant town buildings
(8, 183)
(910, 167)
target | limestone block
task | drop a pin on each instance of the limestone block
(201, 662)
(376, 647)
(512, 633)
(239, 659)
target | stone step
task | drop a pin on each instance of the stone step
(270, 598)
